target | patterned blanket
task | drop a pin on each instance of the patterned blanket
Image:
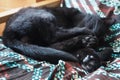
(14, 66)
(102, 8)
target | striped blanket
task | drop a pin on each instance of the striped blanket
(103, 8)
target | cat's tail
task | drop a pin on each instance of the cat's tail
(38, 52)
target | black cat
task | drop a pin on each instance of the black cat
(52, 34)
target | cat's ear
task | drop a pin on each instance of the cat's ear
(109, 21)
(105, 55)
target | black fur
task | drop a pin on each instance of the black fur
(52, 34)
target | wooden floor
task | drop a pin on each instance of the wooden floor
(1, 28)
(10, 4)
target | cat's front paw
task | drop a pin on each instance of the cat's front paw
(89, 41)
(88, 59)
(90, 63)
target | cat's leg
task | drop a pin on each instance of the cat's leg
(76, 43)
